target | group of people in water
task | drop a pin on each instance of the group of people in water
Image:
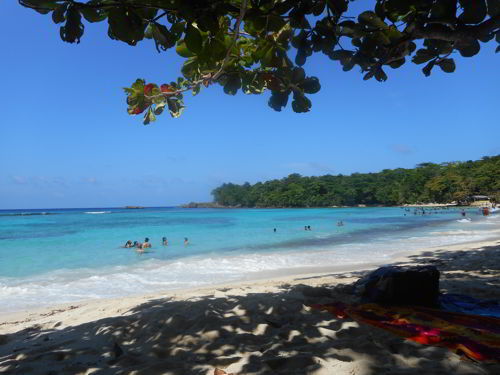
(141, 246)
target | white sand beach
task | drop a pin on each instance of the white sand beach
(258, 327)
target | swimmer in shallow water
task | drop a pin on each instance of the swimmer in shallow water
(186, 241)
(146, 243)
(164, 241)
(128, 244)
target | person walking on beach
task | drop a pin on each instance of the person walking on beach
(186, 242)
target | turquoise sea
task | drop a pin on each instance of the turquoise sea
(56, 256)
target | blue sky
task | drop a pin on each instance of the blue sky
(67, 141)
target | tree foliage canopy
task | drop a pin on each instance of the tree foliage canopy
(428, 182)
(254, 45)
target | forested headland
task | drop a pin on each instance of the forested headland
(426, 183)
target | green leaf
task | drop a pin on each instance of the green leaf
(397, 63)
(318, 7)
(175, 107)
(371, 19)
(126, 26)
(58, 14)
(148, 33)
(422, 56)
(474, 11)
(72, 31)
(310, 85)
(340, 55)
(196, 90)
(338, 6)
(428, 68)
(278, 100)
(208, 23)
(300, 58)
(446, 9)
(40, 6)
(298, 75)
(159, 108)
(394, 34)
(348, 64)
(217, 49)
(190, 67)
(469, 49)
(275, 23)
(283, 7)
(381, 38)
(163, 38)
(93, 15)
(232, 85)
(380, 10)
(356, 42)
(194, 40)
(369, 75)
(493, 7)
(300, 103)
(182, 49)
(138, 85)
(149, 116)
(380, 75)
(178, 28)
(447, 65)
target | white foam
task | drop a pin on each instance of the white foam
(97, 212)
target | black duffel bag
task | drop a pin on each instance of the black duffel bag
(416, 285)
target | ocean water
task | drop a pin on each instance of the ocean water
(57, 256)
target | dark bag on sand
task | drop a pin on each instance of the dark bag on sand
(401, 286)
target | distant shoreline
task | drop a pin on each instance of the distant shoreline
(217, 205)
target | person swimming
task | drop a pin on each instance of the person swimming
(138, 246)
(129, 244)
(186, 241)
(164, 241)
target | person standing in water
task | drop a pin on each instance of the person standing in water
(165, 241)
(186, 241)
(146, 243)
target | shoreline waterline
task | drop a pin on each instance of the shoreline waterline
(292, 276)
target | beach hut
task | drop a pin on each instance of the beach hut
(479, 200)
